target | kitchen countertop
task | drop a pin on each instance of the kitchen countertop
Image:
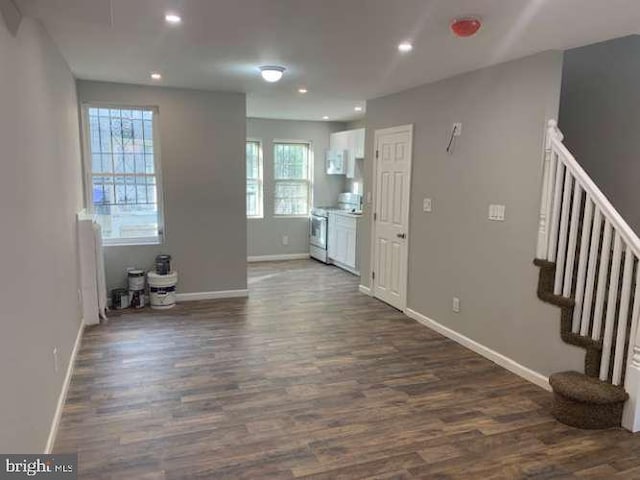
(346, 213)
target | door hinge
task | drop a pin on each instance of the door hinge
(373, 275)
(375, 216)
(377, 153)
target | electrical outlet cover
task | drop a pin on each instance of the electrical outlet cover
(455, 305)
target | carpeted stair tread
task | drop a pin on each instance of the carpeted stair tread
(582, 388)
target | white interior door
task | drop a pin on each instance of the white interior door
(392, 175)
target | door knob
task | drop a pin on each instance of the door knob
(401, 235)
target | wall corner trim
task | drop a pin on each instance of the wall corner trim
(194, 296)
(505, 362)
(62, 398)
(277, 258)
(364, 289)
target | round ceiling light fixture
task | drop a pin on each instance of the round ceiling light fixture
(172, 18)
(465, 27)
(405, 47)
(272, 73)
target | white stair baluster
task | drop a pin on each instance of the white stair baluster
(555, 209)
(618, 357)
(585, 322)
(573, 238)
(562, 240)
(631, 413)
(635, 319)
(614, 280)
(605, 253)
(582, 264)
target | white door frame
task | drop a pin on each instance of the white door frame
(374, 194)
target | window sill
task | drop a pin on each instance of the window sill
(291, 216)
(133, 242)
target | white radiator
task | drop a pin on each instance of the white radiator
(92, 275)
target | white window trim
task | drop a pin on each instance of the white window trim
(309, 181)
(260, 179)
(88, 181)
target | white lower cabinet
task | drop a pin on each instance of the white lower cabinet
(341, 246)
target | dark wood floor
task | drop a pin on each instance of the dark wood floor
(308, 378)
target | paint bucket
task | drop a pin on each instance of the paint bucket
(162, 289)
(119, 298)
(136, 280)
(136, 298)
(163, 264)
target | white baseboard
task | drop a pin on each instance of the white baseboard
(505, 362)
(365, 290)
(62, 398)
(190, 297)
(278, 258)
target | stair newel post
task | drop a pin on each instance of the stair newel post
(631, 412)
(548, 169)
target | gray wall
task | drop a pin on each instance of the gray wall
(600, 118)
(456, 250)
(265, 234)
(359, 123)
(202, 144)
(40, 193)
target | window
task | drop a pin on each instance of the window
(292, 175)
(123, 184)
(254, 179)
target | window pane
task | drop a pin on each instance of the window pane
(253, 193)
(254, 180)
(253, 160)
(291, 198)
(121, 143)
(291, 161)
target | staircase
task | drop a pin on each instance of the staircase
(588, 260)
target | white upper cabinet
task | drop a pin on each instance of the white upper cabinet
(358, 142)
(350, 144)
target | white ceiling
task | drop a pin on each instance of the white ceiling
(343, 51)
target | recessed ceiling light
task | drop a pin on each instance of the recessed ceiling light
(325, 118)
(302, 90)
(156, 76)
(272, 73)
(358, 109)
(405, 47)
(172, 18)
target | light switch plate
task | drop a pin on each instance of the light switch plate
(426, 205)
(497, 212)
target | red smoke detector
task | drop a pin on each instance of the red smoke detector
(465, 27)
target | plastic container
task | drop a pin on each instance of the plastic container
(162, 289)
(119, 298)
(136, 299)
(136, 280)
(163, 264)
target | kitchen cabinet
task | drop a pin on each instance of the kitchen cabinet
(350, 144)
(341, 244)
